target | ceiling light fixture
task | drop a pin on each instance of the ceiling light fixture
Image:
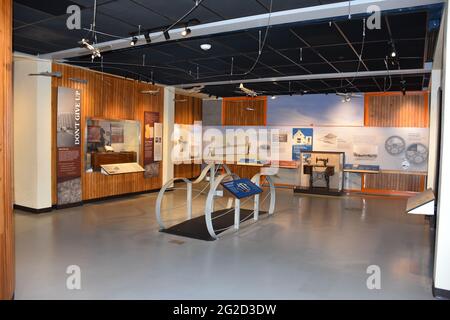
(393, 54)
(205, 46)
(133, 42)
(186, 31)
(273, 97)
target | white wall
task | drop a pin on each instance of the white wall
(435, 116)
(442, 258)
(168, 125)
(32, 134)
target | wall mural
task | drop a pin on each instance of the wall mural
(315, 110)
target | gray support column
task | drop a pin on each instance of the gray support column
(168, 125)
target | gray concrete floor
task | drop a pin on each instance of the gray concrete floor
(312, 248)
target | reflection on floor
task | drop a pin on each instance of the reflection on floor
(312, 248)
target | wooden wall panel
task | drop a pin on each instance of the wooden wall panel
(386, 181)
(244, 111)
(108, 97)
(7, 273)
(396, 110)
(244, 171)
(187, 111)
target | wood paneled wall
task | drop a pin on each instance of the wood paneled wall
(7, 273)
(244, 171)
(108, 97)
(394, 182)
(244, 111)
(396, 110)
(187, 111)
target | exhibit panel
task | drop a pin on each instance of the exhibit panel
(188, 116)
(397, 148)
(111, 142)
(117, 105)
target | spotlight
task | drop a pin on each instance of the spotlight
(147, 37)
(186, 31)
(166, 35)
(133, 42)
(393, 54)
(205, 46)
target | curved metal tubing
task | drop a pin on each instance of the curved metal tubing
(256, 179)
(210, 203)
(161, 196)
(209, 167)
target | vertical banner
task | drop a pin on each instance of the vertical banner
(68, 132)
(151, 167)
(302, 140)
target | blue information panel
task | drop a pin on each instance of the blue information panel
(362, 167)
(242, 188)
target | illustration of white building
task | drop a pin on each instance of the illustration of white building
(300, 138)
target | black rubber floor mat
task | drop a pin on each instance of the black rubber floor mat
(196, 227)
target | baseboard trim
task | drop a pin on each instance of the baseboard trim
(68, 205)
(121, 196)
(441, 293)
(32, 210)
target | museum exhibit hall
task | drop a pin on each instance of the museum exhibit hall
(236, 150)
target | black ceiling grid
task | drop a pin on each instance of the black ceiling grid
(296, 49)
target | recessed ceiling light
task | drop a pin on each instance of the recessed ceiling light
(205, 46)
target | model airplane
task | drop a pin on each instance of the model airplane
(47, 74)
(247, 91)
(95, 52)
(150, 92)
(197, 89)
(346, 97)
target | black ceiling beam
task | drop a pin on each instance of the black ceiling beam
(360, 60)
(317, 53)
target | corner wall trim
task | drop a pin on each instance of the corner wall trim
(32, 210)
(441, 293)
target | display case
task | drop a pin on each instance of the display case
(111, 142)
(321, 172)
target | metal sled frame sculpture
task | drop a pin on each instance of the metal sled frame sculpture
(214, 184)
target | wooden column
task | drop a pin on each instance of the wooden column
(6, 189)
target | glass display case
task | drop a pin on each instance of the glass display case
(321, 172)
(111, 142)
